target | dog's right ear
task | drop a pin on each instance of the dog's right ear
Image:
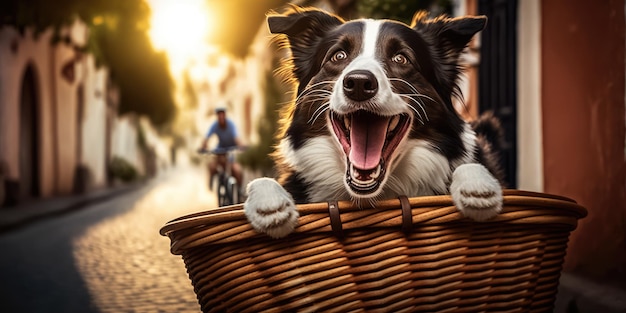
(305, 30)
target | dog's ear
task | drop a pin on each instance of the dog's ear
(301, 21)
(304, 30)
(451, 35)
(448, 37)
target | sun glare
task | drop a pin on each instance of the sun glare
(180, 28)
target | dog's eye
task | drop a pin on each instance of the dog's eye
(400, 59)
(339, 56)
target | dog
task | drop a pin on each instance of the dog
(373, 119)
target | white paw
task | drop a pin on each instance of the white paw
(475, 192)
(270, 209)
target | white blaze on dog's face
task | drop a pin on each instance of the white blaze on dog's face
(369, 119)
(374, 86)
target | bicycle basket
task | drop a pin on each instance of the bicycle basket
(367, 263)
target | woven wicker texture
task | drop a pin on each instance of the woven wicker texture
(441, 262)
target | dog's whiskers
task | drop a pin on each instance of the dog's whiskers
(420, 118)
(314, 92)
(322, 108)
(418, 102)
(406, 83)
(312, 88)
(415, 93)
(320, 98)
(373, 201)
(314, 96)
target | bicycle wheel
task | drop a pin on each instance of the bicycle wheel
(233, 190)
(222, 192)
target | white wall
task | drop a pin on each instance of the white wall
(94, 122)
(160, 145)
(66, 119)
(529, 117)
(124, 141)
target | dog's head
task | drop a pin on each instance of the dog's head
(374, 84)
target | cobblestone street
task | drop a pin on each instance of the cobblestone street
(105, 258)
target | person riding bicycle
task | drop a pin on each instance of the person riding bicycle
(226, 132)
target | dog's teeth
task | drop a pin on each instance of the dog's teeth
(376, 173)
(346, 122)
(394, 123)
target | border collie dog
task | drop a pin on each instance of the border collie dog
(373, 119)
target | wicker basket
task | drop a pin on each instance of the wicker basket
(405, 255)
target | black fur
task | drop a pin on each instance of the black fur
(490, 138)
(433, 47)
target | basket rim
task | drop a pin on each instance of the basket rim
(520, 207)
(348, 205)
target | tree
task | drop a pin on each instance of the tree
(118, 39)
(401, 10)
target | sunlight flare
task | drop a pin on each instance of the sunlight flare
(180, 28)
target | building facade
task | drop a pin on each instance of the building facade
(566, 112)
(59, 127)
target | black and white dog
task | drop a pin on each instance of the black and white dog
(374, 119)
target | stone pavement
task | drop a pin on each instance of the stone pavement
(101, 252)
(125, 262)
(24, 213)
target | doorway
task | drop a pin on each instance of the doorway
(29, 136)
(497, 86)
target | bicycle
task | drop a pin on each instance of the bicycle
(227, 185)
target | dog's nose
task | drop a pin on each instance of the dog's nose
(360, 85)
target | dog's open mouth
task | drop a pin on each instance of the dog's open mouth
(368, 140)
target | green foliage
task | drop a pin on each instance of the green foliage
(123, 170)
(257, 157)
(140, 73)
(118, 39)
(401, 10)
(141, 138)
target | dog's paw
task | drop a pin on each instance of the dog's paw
(270, 209)
(475, 192)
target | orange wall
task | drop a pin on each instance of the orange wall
(583, 123)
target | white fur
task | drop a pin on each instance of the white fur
(321, 162)
(270, 208)
(370, 37)
(475, 192)
(468, 136)
(419, 172)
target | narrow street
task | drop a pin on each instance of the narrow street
(107, 257)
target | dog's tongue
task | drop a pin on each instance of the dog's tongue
(367, 137)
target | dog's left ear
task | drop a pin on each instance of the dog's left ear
(449, 36)
(305, 30)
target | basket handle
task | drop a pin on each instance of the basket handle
(335, 219)
(407, 214)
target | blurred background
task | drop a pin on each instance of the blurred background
(104, 103)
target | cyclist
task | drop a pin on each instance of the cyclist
(226, 133)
